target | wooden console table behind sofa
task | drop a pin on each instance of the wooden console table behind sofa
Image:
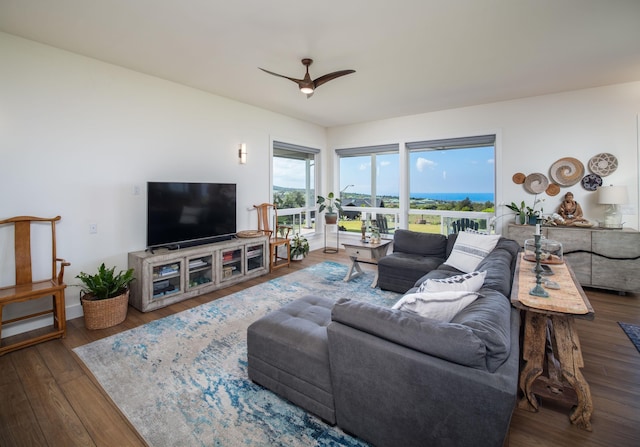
(551, 348)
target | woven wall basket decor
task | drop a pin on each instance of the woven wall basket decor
(536, 183)
(552, 189)
(603, 164)
(518, 178)
(567, 171)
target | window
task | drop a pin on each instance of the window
(369, 186)
(448, 178)
(294, 176)
(445, 180)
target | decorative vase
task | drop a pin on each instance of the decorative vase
(533, 220)
(330, 218)
(101, 314)
(297, 257)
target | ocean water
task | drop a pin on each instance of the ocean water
(457, 196)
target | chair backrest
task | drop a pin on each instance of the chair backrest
(22, 244)
(462, 224)
(383, 225)
(264, 214)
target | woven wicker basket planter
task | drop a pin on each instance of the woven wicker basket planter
(100, 314)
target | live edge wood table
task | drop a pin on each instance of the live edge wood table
(366, 253)
(551, 348)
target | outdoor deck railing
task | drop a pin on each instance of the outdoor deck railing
(427, 221)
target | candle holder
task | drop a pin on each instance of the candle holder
(538, 290)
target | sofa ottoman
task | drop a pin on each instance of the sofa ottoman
(288, 353)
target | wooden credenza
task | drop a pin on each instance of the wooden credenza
(168, 276)
(604, 259)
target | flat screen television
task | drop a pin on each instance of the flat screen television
(187, 214)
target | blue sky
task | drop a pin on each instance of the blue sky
(446, 171)
(453, 170)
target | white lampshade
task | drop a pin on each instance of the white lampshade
(612, 195)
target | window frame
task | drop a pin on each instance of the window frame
(403, 211)
(297, 216)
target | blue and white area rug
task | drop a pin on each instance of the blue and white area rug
(633, 332)
(182, 380)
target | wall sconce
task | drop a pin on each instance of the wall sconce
(612, 196)
(242, 153)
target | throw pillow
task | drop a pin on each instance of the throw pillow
(470, 249)
(442, 306)
(472, 231)
(469, 282)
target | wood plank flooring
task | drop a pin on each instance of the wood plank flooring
(48, 398)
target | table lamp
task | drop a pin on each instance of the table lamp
(612, 196)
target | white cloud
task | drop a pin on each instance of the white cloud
(444, 175)
(491, 161)
(422, 163)
(385, 163)
(287, 173)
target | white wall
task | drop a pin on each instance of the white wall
(77, 136)
(532, 133)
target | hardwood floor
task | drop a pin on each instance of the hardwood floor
(47, 397)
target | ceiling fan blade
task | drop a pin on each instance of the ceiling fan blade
(328, 77)
(297, 81)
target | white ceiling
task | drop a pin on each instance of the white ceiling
(410, 56)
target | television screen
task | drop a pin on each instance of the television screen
(189, 213)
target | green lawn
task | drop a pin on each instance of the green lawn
(354, 226)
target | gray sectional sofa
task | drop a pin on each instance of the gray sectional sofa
(392, 377)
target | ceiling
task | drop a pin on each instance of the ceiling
(410, 56)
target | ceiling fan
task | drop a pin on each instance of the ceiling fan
(308, 86)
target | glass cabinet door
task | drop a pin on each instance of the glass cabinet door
(200, 271)
(255, 257)
(231, 263)
(166, 279)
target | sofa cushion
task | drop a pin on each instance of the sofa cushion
(500, 265)
(470, 249)
(469, 282)
(451, 241)
(453, 342)
(399, 271)
(441, 306)
(425, 244)
(489, 317)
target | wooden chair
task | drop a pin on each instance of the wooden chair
(25, 289)
(462, 224)
(383, 225)
(278, 237)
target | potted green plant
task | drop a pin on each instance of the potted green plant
(526, 214)
(299, 247)
(105, 297)
(520, 212)
(332, 204)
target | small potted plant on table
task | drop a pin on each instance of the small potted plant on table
(105, 298)
(299, 247)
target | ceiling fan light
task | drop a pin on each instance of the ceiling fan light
(306, 90)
